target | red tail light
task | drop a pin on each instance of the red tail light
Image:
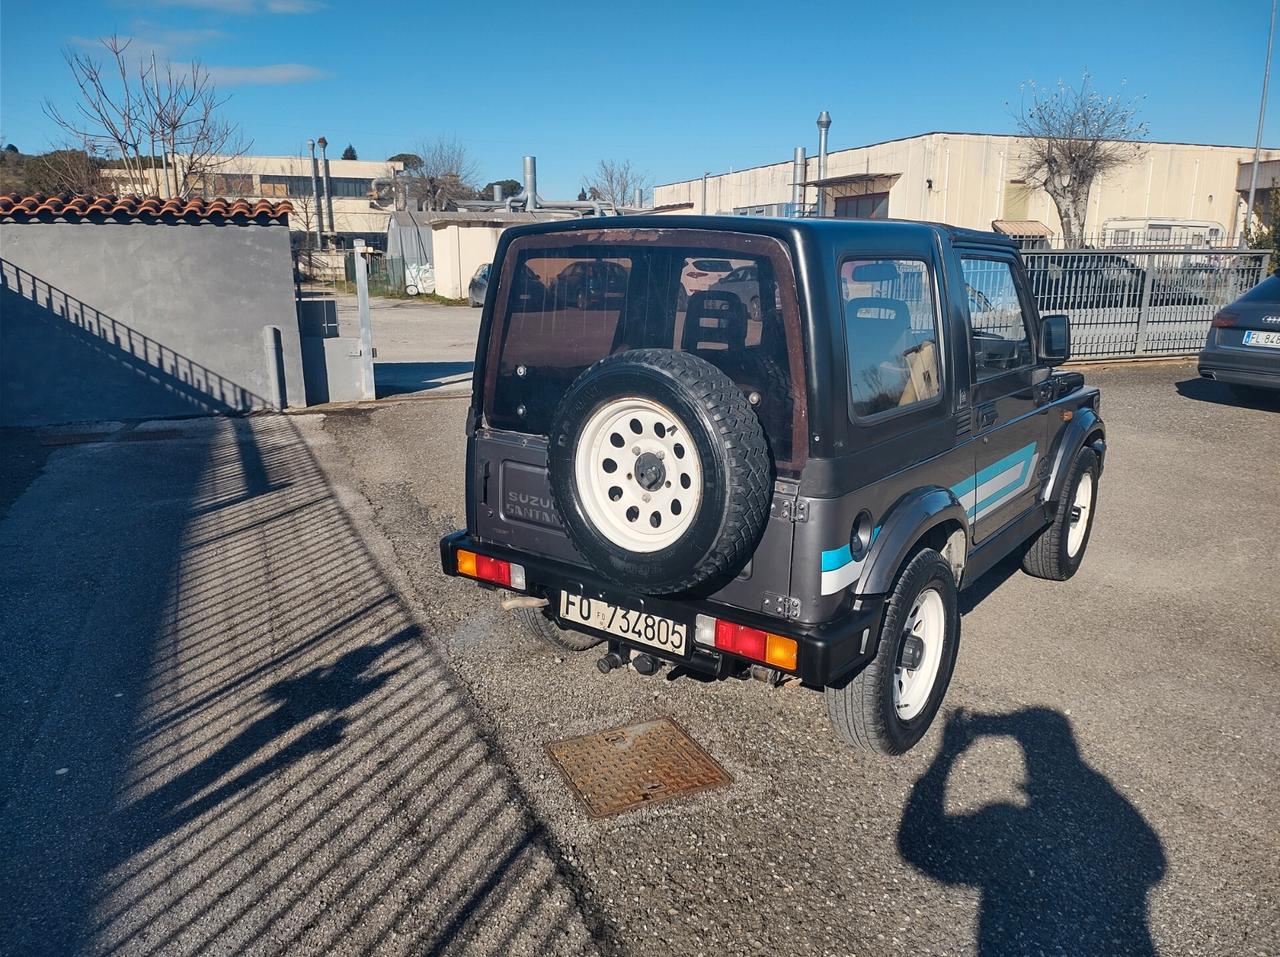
(763, 646)
(490, 569)
(1223, 319)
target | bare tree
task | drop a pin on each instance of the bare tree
(1075, 135)
(161, 125)
(445, 175)
(615, 181)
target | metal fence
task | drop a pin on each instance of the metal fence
(1151, 301)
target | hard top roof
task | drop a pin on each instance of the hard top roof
(881, 231)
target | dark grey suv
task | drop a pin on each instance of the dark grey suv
(790, 476)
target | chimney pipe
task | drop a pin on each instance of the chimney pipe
(799, 171)
(328, 196)
(639, 203)
(824, 124)
(530, 183)
(497, 192)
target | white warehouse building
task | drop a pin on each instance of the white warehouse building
(974, 180)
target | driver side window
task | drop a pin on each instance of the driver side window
(996, 322)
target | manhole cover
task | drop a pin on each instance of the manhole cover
(624, 768)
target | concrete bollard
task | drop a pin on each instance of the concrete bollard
(275, 367)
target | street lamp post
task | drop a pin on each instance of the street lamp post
(1257, 143)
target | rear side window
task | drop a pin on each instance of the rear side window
(891, 334)
(565, 303)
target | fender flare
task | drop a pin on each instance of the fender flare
(912, 517)
(1085, 423)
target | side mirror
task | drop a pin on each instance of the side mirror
(1055, 340)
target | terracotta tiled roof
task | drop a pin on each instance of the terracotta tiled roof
(16, 208)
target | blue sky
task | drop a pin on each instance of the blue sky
(677, 88)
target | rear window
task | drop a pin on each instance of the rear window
(567, 300)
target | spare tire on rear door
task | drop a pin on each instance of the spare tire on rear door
(660, 471)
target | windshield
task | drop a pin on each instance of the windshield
(567, 300)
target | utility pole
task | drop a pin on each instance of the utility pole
(315, 195)
(1257, 143)
(824, 124)
(328, 196)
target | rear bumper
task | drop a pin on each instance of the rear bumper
(826, 653)
(1258, 369)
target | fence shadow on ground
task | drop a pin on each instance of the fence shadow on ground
(257, 751)
(1068, 871)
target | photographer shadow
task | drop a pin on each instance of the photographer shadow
(1068, 871)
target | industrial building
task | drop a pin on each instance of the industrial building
(352, 211)
(974, 180)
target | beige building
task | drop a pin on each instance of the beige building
(357, 213)
(973, 179)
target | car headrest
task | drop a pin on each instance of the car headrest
(718, 318)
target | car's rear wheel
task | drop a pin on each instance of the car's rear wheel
(1057, 552)
(541, 625)
(660, 471)
(888, 706)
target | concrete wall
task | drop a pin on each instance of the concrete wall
(972, 182)
(125, 321)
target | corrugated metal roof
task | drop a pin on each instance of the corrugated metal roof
(1021, 227)
(500, 216)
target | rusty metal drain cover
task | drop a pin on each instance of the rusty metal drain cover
(638, 764)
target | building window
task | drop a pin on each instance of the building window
(232, 184)
(868, 206)
(301, 186)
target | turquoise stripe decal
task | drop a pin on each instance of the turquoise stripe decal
(836, 558)
(969, 486)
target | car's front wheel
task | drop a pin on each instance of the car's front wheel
(1057, 552)
(888, 706)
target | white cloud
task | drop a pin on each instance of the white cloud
(268, 74)
(244, 7)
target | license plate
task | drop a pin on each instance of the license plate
(637, 626)
(1269, 339)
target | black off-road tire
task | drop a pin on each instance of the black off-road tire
(538, 623)
(1047, 555)
(862, 709)
(737, 470)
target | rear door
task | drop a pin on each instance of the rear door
(1008, 394)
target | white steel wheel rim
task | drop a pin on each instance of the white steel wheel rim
(927, 622)
(644, 493)
(1081, 506)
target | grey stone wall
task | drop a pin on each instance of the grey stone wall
(103, 321)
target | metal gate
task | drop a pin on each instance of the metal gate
(1152, 301)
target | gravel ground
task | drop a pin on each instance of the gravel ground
(1101, 779)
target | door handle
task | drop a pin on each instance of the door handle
(987, 416)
